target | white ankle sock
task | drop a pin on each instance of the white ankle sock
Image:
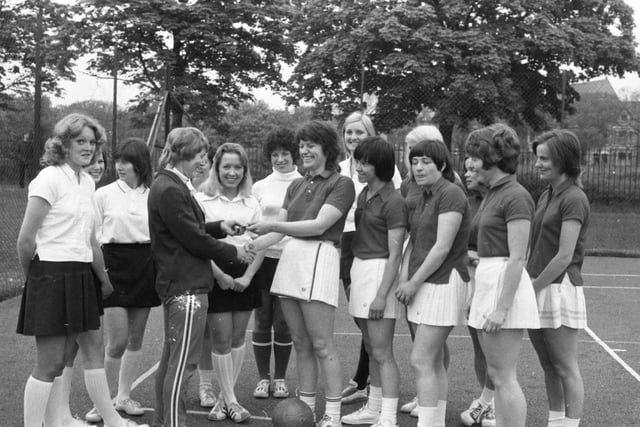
(571, 422)
(206, 378)
(389, 410)
(486, 398)
(332, 407)
(309, 398)
(96, 382)
(427, 416)
(441, 413)
(35, 393)
(375, 398)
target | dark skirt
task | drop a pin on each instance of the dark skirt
(132, 274)
(59, 299)
(264, 275)
(221, 301)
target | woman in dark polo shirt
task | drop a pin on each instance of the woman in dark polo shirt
(307, 276)
(381, 222)
(433, 279)
(504, 303)
(557, 251)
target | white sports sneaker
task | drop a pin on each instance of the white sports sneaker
(475, 413)
(129, 406)
(363, 415)
(409, 406)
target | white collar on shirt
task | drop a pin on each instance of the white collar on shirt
(124, 187)
(70, 173)
(184, 179)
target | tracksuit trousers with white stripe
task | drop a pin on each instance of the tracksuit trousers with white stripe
(185, 319)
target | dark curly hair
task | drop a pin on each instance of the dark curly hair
(281, 138)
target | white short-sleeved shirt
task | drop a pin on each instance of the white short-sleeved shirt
(270, 193)
(346, 169)
(241, 208)
(122, 213)
(65, 233)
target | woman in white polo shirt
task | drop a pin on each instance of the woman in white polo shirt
(226, 194)
(61, 259)
(124, 235)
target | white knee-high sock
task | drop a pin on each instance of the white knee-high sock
(96, 382)
(52, 415)
(238, 354)
(65, 410)
(35, 393)
(112, 370)
(223, 365)
(128, 371)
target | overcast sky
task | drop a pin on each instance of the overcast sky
(87, 87)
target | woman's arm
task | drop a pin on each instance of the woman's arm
(448, 226)
(327, 216)
(223, 280)
(98, 267)
(395, 239)
(517, 239)
(37, 209)
(569, 233)
(241, 283)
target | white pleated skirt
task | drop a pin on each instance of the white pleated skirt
(308, 270)
(366, 277)
(523, 313)
(562, 304)
(440, 304)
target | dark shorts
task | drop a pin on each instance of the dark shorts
(132, 274)
(221, 301)
(59, 299)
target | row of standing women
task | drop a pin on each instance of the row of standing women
(428, 275)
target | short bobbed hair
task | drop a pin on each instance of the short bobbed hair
(564, 149)
(135, 151)
(357, 117)
(56, 148)
(212, 186)
(423, 133)
(183, 144)
(439, 155)
(281, 138)
(324, 134)
(377, 152)
(496, 145)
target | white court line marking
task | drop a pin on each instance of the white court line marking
(631, 288)
(609, 275)
(145, 375)
(613, 354)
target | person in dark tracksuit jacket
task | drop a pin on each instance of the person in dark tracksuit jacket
(183, 247)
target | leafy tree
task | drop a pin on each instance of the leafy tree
(209, 52)
(465, 59)
(60, 47)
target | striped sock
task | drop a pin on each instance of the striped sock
(206, 378)
(237, 355)
(332, 407)
(223, 365)
(308, 397)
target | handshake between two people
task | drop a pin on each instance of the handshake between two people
(233, 227)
